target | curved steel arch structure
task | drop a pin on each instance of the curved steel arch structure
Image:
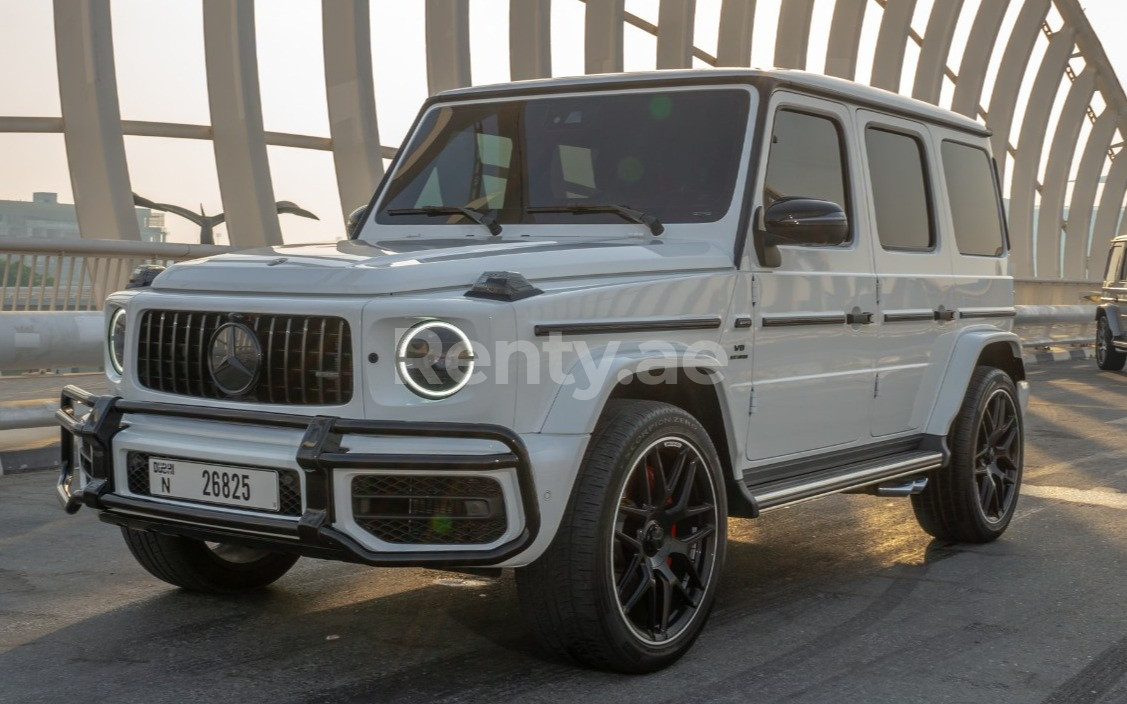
(1054, 232)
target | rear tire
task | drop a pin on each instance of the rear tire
(205, 567)
(973, 499)
(1107, 357)
(631, 575)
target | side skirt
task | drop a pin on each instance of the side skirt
(794, 482)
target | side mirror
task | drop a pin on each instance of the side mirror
(355, 218)
(798, 221)
(805, 221)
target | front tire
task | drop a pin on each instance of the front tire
(973, 499)
(631, 576)
(205, 567)
(1107, 357)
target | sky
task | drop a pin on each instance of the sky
(158, 49)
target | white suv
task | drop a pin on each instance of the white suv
(581, 323)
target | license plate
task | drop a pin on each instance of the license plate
(216, 484)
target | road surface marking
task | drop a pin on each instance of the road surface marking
(1096, 497)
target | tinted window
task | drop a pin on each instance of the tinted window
(974, 200)
(1114, 266)
(900, 196)
(673, 154)
(805, 160)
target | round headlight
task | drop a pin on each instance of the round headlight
(435, 359)
(115, 338)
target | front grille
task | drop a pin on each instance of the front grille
(306, 360)
(429, 510)
(289, 484)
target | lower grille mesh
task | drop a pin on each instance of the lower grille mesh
(429, 510)
(289, 485)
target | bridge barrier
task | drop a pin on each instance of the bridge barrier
(57, 275)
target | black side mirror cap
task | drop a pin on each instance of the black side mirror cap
(355, 219)
(142, 276)
(799, 221)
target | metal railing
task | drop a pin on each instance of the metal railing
(1054, 292)
(76, 275)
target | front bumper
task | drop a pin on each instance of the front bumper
(87, 478)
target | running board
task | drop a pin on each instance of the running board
(851, 476)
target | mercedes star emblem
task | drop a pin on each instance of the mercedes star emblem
(235, 358)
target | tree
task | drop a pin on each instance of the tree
(21, 275)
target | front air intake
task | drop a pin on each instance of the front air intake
(429, 510)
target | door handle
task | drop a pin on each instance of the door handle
(943, 315)
(859, 317)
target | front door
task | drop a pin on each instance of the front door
(813, 355)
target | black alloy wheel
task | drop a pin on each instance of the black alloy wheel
(974, 497)
(997, 460)
(663, 546)
(632, 572)
(1107, 357)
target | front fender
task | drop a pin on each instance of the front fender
(590, 381)
(966, 351)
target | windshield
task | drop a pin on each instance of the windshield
(670, 154)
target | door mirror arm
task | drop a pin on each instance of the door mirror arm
(766, 246)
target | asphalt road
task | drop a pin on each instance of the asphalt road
(839, 600)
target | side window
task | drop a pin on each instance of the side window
(1114, 266)
(900, 192)
(806, 160)
(975, 210)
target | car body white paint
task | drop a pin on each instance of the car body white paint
(786, 394)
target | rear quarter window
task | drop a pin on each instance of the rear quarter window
(975, 210)
(1112, 275)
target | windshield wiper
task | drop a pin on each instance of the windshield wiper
(486, 220)
(623, 211)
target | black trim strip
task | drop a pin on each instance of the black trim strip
(609, 326)
(1008, 313)
(779, 321)
(928, 315)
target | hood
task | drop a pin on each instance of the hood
(356, 267)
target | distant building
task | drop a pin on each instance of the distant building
(44, 217)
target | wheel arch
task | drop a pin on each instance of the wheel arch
(994, 348)
(700, 400)
(1106, 310)
(694, 384)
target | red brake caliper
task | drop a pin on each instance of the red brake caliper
(668, 502)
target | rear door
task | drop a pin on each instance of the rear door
(812, 367)
(983, 290)
(1115, 288)
(912, 265)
